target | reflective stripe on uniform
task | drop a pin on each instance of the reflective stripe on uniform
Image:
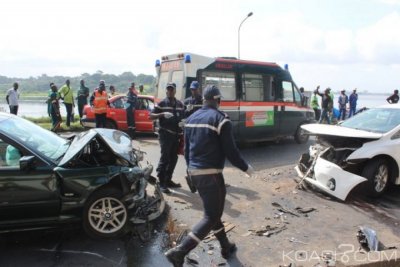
(195, 172)
(201, 125)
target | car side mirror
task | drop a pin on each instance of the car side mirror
(26, 163)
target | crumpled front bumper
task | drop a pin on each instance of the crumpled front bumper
(331, 178)
(145, 207)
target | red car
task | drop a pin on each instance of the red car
(116, 114)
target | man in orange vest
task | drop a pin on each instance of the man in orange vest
(99, 102)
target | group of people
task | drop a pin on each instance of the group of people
(326, 113)
(208, 141)
(98, 101)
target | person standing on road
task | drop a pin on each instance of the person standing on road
(83, 94)
(325, 104)
(315, 106)
(54, 108)
(12, 98)
(353, 102)
(130, 110)
(195, 101)
(68, 96)
(141, 89)
(99, 102)
(343, 100)
(209, 140)
(393, 99)
(169, 112)
(303, 97)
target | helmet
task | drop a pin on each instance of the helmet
(194, 85)
(211, 92)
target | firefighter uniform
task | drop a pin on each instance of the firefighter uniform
(208, 141)
(169, 132)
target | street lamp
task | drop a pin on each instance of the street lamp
(248, 15)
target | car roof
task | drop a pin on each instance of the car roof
(139, 96)
(391, 106)
(5, 116)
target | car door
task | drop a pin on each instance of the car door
(26, 195)
(117, 112)
(143, 108)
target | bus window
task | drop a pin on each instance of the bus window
(297, 97)
(287, 91)
(269, 88)
(253, 89)
(177, 78)
(161, 85)
(225, 81)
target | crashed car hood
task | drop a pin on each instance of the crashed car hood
(337, 130)
(118, 142)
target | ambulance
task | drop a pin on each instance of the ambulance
(261, 99)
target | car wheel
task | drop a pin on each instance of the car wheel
(300, 137)
(105, 215)
(111, 124)
(378, 174)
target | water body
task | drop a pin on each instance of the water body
(37, 107)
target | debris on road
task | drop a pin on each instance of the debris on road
(268, 230)
(294, 240)
(305, 210)
(228, 226)
(282, 209)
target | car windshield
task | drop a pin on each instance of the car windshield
(35, 137)
(378, 120)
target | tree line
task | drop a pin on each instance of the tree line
(40, 84)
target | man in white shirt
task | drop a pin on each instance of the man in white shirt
(12, 99)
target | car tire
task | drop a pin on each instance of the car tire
(377, 171)
(111, 125)
(105, 215)
(300, 137)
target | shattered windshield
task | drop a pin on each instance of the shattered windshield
(378, 120)
(35, 137)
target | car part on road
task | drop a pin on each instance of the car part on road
(367, 238)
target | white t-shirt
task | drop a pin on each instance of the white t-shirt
(13, 96)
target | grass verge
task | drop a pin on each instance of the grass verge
(45, 122)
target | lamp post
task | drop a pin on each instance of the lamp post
(248, 15)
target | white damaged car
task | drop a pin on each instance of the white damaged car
(362, 149)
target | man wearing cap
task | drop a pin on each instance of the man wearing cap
(195, 101)
(343, 100)
(353, 102)
(325, 104)
(208, 141)
(169, 112)
(130, 110)
(99, 102)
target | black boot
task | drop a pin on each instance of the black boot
(176, 256)
(132, 132)
(227, 247)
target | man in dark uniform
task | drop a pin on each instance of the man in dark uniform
(169, 112)
(130, 110)
(208, 141)
(195, 101)
(393, 99)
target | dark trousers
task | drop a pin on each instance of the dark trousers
(342, 114)
(317, 113)
(324, 116)
(82, 101)
(68, 108)
(101, 120)
(14, 110)
(212, 191)
(352, 111)
(169, 156)
(130, 117)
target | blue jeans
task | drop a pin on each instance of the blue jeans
(324, 115)
(352, 111)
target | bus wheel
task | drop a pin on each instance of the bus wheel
(300, 136)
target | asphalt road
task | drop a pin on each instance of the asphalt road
(71, 247)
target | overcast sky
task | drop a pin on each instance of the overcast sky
(338, 43)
